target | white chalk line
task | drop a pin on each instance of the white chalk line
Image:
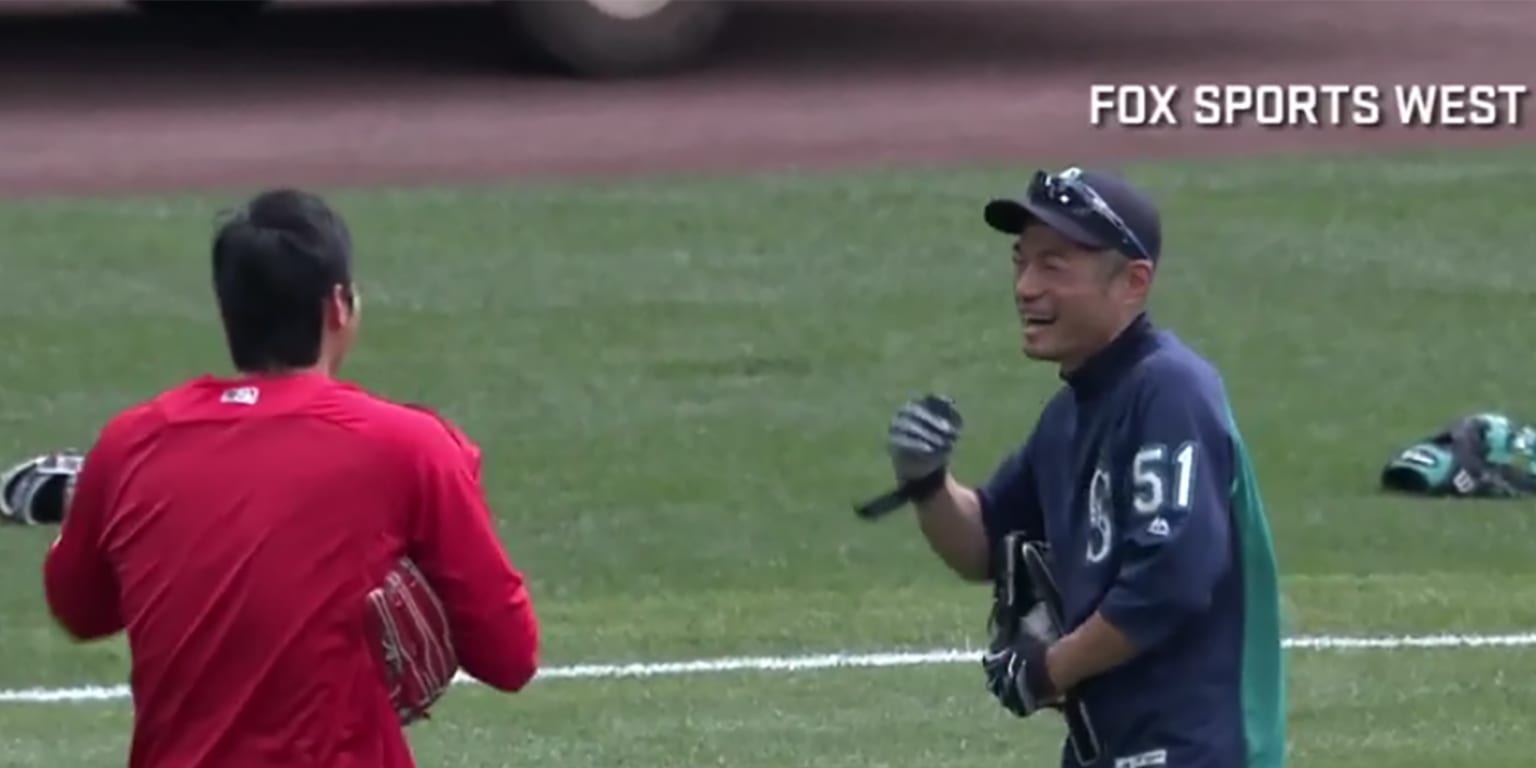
(823, 661)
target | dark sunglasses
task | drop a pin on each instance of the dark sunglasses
(1067, 192)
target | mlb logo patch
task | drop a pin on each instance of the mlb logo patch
(241, 396)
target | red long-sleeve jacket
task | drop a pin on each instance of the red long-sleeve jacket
(232, 527)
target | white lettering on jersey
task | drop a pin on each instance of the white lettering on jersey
(1162, 484)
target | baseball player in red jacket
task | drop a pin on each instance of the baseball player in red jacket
(300, 566)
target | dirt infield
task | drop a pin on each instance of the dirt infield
(103, 101)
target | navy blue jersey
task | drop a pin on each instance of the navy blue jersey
(1138, 480)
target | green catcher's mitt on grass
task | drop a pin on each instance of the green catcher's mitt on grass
(1484, 455)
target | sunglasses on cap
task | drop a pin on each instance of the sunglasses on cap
(1068, 193)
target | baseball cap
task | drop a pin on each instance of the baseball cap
(1094, 208)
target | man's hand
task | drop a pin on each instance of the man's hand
(1015, 664)
(922, 437)
(920, 440)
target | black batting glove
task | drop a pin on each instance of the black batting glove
(921, 440)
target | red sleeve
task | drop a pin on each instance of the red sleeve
(78, 580)
(454, 542)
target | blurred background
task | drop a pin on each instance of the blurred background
(94, 93)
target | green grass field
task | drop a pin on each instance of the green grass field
(681, 385)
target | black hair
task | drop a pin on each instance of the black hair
(275, 260)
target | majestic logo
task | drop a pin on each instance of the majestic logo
(1100, 516)
(1150, 759)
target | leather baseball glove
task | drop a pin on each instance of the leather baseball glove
(38, 491)
(409, 631)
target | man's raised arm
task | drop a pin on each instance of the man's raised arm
(962, 524)
(950, 520)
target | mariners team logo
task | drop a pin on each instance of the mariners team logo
(1100, 516)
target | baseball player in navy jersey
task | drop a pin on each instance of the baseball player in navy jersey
(1136, 482)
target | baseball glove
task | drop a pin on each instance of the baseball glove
(38, 491)
(1026, 618)
(1483, 455)
(409, 632)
